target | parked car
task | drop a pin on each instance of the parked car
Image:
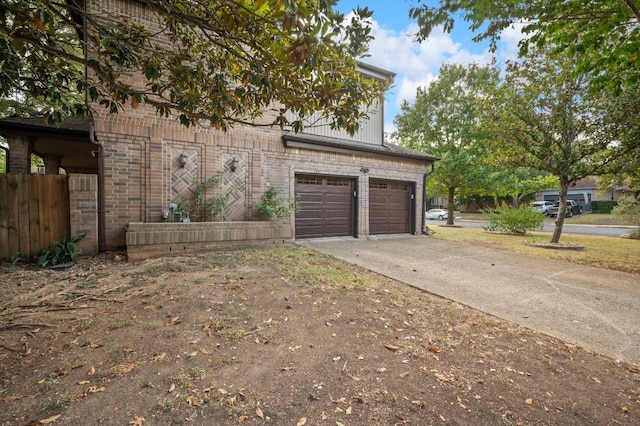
(542, 206)
(439, 214)
(572, 208)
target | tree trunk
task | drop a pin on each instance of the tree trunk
(562, 211)
(450, 205)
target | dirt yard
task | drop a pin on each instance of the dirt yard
(280, 337)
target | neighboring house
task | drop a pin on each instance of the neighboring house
(347, 186)
(584, 192)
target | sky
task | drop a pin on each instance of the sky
(417, 64)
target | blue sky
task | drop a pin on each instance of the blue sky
(416, 65)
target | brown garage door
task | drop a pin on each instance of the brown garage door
(389, 207)
(326, 206)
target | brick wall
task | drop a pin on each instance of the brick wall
(143, 175)
(145, 240)
(19, 154)
(83, 211)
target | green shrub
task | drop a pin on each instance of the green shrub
(61, 252)
(605, 206)
(17, 257)
(275, 207)
(518, 221)
(630, 209)
(203, 207)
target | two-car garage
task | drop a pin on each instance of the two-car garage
(329, 205)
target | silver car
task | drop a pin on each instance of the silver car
(542, 206)
(439, 214)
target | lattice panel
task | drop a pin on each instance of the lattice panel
(183, 180)
(236, 209)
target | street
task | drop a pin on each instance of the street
(602, 230)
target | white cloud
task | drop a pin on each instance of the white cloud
(417, 64)
(509, 40)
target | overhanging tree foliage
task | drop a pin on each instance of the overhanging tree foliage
(514, 182)
(217, 61)
(545, 117)
(443, 122)
(602, 35)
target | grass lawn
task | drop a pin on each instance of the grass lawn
(606, 252)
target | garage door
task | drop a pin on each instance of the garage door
(389, 207)
(326, 206)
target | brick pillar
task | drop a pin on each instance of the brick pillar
(52, 164)
(19, 154)
(83, 210)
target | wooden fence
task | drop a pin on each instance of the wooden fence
(34, 213)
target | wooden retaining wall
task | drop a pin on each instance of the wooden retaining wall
(147, 240)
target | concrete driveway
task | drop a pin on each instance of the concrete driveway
(594, 308)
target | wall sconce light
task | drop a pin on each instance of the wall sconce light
(234, 164)
(364, 169)
(183, 160)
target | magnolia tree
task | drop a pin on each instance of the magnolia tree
(216, 61)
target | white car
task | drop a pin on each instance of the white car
(542, 206)
(439, 214)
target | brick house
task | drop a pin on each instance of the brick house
(347, 186)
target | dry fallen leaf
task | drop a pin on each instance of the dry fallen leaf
(348, 411)
(242, 419)
(91, 371)
(302, 421)
(529, 401)
(137, 421)
(259, 413)
(128, 368)
(391, 347)
(204, 351)
(50, 419)
(193, 401)
(172, 387)
(95, 389)
(12, 398)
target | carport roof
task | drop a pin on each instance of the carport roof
(70, 140)
(38, 124)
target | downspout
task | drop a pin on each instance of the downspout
(101, 200)
(102, 236)
(424, 198)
